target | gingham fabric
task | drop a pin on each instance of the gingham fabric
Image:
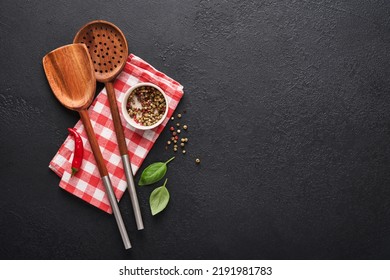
(86, 184)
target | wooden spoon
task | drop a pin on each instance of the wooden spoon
(70, 74)
(107, 47)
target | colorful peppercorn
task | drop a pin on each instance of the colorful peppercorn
(176, 130)
(152, 103)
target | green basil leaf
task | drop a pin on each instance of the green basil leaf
(153, 173)
(159, 199)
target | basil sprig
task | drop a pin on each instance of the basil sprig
(154, 173)
(159, 199)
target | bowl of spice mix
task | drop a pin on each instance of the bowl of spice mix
(145, 106)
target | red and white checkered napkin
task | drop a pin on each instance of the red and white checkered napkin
(86, 184)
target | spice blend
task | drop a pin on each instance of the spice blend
(146, 105)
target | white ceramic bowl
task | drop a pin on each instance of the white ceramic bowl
(126, 114)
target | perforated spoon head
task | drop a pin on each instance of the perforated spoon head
(69, 72)
(107, 47)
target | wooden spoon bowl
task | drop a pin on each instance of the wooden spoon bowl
(107, 47)
(76, 89)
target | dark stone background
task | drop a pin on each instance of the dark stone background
(288, 108)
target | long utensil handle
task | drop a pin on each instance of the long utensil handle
(104, 175)
(120, 136)
(133, 194)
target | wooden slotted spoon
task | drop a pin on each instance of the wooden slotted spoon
(69, 72)
(108, 49)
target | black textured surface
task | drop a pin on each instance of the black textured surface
(288, 108)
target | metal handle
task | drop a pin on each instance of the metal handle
(115, 210)
(132, 191)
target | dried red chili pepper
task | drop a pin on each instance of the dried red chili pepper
(78, 150)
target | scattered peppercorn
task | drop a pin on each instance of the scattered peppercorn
(197, 161)
(176, 134)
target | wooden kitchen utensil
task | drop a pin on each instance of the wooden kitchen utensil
(69, 71)
(107, 47)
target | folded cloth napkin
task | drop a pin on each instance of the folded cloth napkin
(86, 183)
